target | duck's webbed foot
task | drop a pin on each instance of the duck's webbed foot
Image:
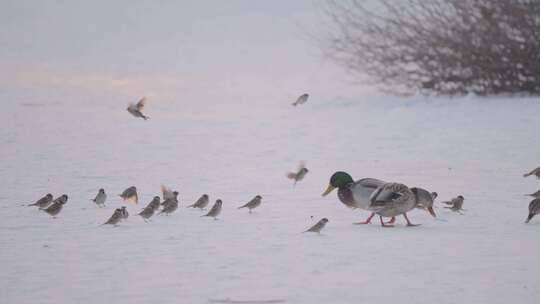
(384, 224)
(409, 222)
(367, 221)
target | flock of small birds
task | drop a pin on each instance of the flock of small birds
(381, 198)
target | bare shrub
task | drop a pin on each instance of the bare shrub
(440, 46)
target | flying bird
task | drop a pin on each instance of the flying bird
(168, 193)
(253, 203)
(534, 209)
(319, 226)
(201, 203)
(56, 206)
(44, 201)
(100, 198)
(136, 109)
(215, 210)
(300, 173)
(301, 100)
(130, 194)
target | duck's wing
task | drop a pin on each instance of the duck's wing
(391, 196)
(362, 190)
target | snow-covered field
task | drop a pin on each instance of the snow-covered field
(475, 147)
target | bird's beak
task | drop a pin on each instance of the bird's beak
(328, 190)
(431, 211)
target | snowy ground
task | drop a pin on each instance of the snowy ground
(475, 147)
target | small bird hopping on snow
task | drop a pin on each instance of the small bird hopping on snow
(536, 172)
(170, 205)
(201, 203)
(154, 204)
(100, 198)
(44, 201)
(115, 218)
(215, 210)
(301, 100)
(456, 204)
(130, 194)
(253, 203)
(300, 174)
(535, 195)
(136, 109)
(56, 206)
(534, 209)
(319, 226)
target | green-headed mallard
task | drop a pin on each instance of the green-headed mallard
(354, 194)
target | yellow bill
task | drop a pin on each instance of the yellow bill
(328, 190)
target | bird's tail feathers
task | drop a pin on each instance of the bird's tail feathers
(291, 175)
(531, 215)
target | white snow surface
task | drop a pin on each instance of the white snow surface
(476, 147)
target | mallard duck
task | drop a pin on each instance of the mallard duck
(354, 194)
(391, 200)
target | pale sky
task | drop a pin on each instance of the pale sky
(235, 51)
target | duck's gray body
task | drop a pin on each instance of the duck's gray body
(357, 194)
(392, 199)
